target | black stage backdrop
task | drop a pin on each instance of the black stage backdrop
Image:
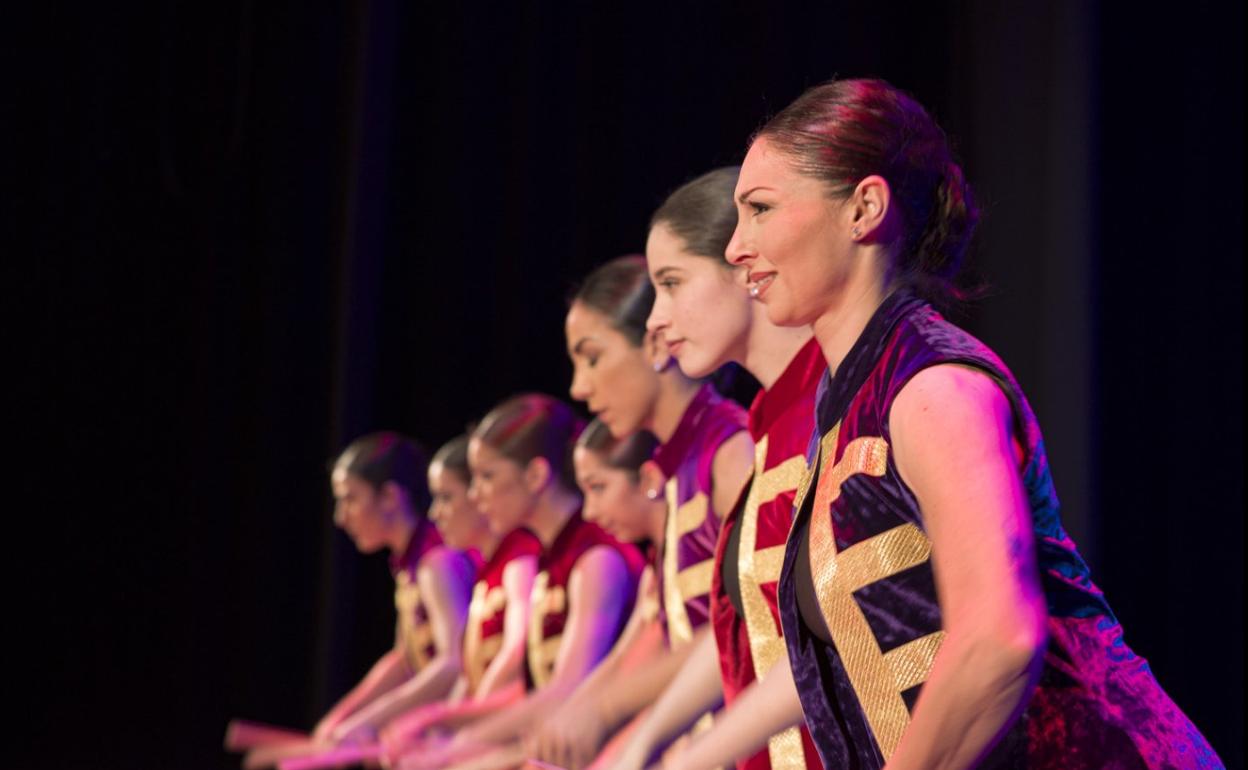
(260, 229)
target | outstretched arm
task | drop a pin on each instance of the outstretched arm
(696, 689)
(445, 579)
(767, 707)
(572, 736)
(386, 674)
(507, 667)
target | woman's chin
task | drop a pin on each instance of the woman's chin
(699, 367)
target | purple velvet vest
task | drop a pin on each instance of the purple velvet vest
(858, 601)
(687, 558)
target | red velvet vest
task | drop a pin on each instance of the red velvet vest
(548, 603)
(483, 634)
(747, 625)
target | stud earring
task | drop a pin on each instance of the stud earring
(652, 493)
(856, 232)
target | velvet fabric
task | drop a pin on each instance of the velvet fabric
(686, 558)
(415, 633)
(1097, 704)
(549, 599)
(488, 609)
(780, 422)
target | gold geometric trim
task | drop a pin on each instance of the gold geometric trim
(912, 661)
(757, 567)
(695, 580)
(837, 575)
(679, 628)
(543, 600)
(784, 749)
(767, 564)
(691, 514)
(783, 478)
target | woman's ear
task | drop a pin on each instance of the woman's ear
(869, 208)
(536, 475)
(656, 351)
(390, 498)
(651, 479)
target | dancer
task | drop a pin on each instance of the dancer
(622, 487)
(382, 498)
(497, 626)
(703, 312)
(935, 612)
(585, 587)
(628, 378)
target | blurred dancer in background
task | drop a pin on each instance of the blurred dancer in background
(522, 475)
(630, 380)
(497, 626)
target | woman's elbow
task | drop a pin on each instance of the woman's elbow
(1015, 649)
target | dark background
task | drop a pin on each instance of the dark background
(243, 233)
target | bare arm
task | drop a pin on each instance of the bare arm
(953, 442)
(765, 708)
(445, 578)
(617, 700)
(386, 674)
(730, 470)
(409, 731)
(637, 633)
(696, 689)
(507, 666)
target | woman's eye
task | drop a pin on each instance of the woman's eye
(668, 284)
(759, 208)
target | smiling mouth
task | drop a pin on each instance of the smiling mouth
(758, 283)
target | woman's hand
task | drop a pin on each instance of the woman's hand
(571, 737)
(401, 733)
(323, 732)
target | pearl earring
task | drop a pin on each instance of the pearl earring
(652, 493)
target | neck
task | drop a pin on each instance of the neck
(400, 535)
(658, 518)
(555, 505)
(841, 323)
(771, 348)
(676, 392)
(487, 543)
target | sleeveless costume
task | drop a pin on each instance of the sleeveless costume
(857, 594)
(751, 549)
(548, 603)
(483, 634)
(415, 632)
(687, 558)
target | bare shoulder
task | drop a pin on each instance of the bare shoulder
(735, 454)
(445, 564)
(731, 468)
(948, 396)
(601, 562)
(948, 418)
